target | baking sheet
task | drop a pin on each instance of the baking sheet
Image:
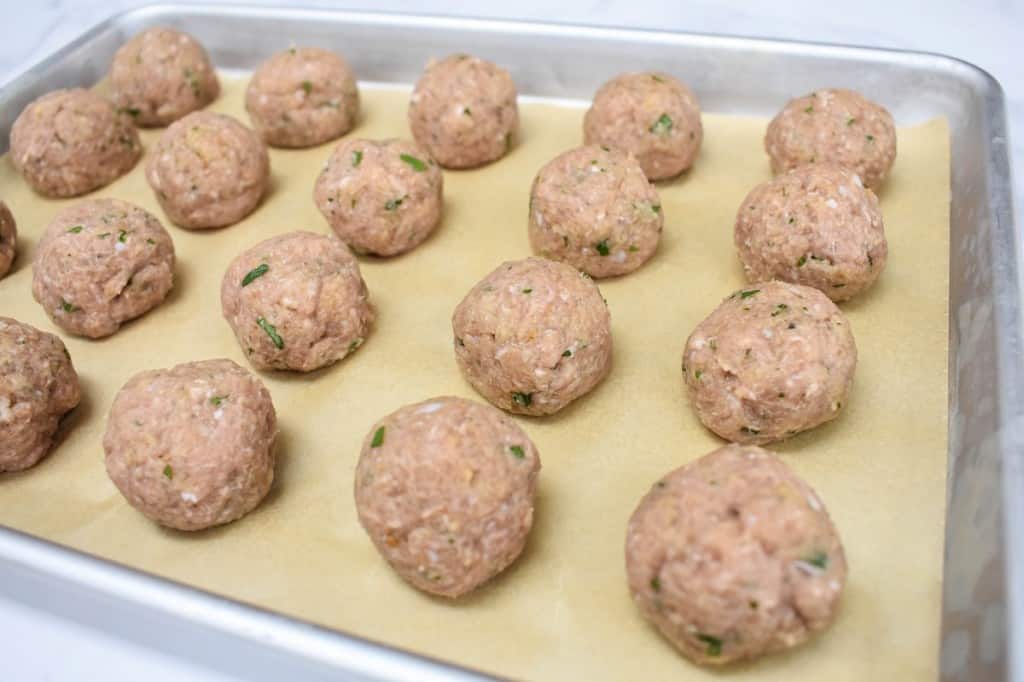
(562, 611)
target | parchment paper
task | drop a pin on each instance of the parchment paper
(562, 611)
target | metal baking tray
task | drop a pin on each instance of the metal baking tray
(983, 602)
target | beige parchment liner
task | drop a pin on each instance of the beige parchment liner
(562, 611)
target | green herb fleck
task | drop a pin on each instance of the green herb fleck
(792, 220)
(522, 399)
(68, 307)
(255, 274)
(527, 291)
(131, 111)
(749, 430)
(168, 472)
(307, 87)
(602, 247)
(291, 50)
(662, 126)
(517, 451)
(193, 82)
(218, 399)
(103, 235)
(698, 374)
(122, 236)
(392, 204)
(809, 109)
(819, 559)
(656, 584)
(566, 353)
(355, 344)
(76, 229)
(714, 644)
(378, 437)
(357, 157)
(850, 121)
(633, 248)
(271, 331)
(657, 78)
(779, 309)
(151, 242)
(656, 208)
(802, 261)
(749, 292)
(838, 286)
(414, 163)
(871, 138)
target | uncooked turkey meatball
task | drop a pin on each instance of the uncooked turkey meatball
(160, 75)
(593, 208)
(302, 97)
(834, 126)
(774, 359)
(8, 239)
(38, 386)
(734, 556)
(70, 142)
(208, 170)
(445, 490)
(296, 301)
(381, 197)
(464, 112)
(100, 263)
(815, 225)
(653, 116)
(533, 336)
(191, 447)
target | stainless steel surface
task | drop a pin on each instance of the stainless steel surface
(983, 595)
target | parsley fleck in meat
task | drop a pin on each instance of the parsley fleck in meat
(378, 437)
(255, 274)
(271, 331)
(413, 162)
(522, 399)
(662, 126)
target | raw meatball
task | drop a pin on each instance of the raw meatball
(464, 111)
(70, 142)
(380, 197)
(772, 360)
(734, 556)
(445, 490)
(8, 239)
(191, 446)
(533, 336)
(815, 225)
(302, 97)
(594, 209)
(38, 386)
(101, 263)
(652, 115)
(208, 170)
(296, 301)
(160, 75)
(833, 126)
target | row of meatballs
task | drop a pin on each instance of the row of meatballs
(730, 557)
(592, 207)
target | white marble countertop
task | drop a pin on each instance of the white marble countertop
(984, 32)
